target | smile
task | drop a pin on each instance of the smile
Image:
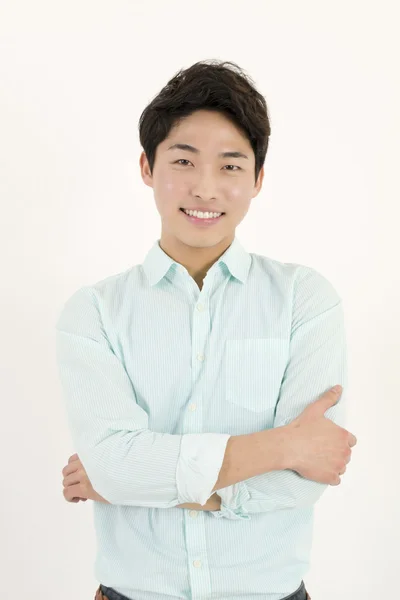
(199, 218)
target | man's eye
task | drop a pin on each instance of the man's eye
(234, 167)
(181, 161)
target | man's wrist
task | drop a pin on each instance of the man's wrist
(276, 447)
(213, 503)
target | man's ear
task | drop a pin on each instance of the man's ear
(259, 182)
(145, 170)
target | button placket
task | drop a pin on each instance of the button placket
(196, 543)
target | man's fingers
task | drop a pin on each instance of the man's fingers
(71, 479)
(352, 440)
(71, 492)
(73, 465)
(70, 468)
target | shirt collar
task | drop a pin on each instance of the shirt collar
(157, 263)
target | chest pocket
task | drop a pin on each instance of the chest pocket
(254, 369)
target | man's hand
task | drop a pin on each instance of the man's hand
(77, 487)
(318, 449)
(76, 483)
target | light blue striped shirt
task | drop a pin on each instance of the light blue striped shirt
(156, 375)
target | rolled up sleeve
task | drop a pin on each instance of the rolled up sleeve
(125, 461)
(317, 361)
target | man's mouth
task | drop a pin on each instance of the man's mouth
(202, 215)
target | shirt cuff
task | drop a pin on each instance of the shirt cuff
(199, 463)
(233, 499)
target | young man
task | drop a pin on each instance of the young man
(198, 384)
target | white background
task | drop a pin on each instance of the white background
(74, 79)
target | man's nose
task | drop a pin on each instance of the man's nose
(205, 187)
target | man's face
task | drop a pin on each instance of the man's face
(202, 179)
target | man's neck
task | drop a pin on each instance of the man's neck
(197, 261)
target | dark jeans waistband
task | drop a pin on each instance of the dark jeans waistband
(111, 594)
(299, 594)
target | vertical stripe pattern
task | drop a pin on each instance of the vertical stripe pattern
(156, 375)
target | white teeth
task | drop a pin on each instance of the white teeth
(201, 215)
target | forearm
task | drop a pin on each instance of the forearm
(253, 454)
(243, 457)
(246, 456)
(267, 481)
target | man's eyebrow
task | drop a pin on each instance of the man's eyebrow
(189, 148)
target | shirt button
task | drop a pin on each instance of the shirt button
(200, 307)
(193, 513)
(200, 356)
(197, 563)
(193, 406)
